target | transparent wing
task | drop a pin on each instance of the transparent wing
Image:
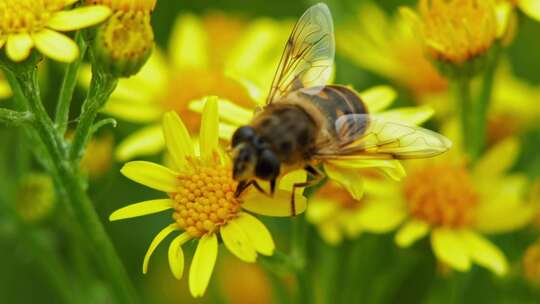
(367, 134)
(308, 56)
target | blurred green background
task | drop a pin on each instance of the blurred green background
(386, 274)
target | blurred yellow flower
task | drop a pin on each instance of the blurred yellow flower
(28, 23)
(207, 56)
(5, 90)
(344, 171)
(455, 31)
(388, 47)
(97, 159)
(243, 283)
(201, 193)
(337, 214)
(457, 205)
(531, 264)
(35, 197)
(530, 7)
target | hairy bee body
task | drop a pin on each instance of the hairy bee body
(295, 127)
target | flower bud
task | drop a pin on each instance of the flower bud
(35, 197)
(123, 44)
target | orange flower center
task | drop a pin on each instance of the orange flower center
(189, 85)
(531, 263)
(458, 30)
(205, 199)
(26, 16)
(441, 195)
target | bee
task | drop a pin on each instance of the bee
(305, 121)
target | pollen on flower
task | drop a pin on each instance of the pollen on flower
(205, 200)
(26, 16)
(458, 30)
(126, 5)
(441, 195)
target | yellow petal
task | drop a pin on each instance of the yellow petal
(380, 216)
(5, 90)
(330, 233)
(208, 137)
(320, 209)
(498, 159)
(189, 43)
(146, 141)
(155, 242)
(140, 209)
(450, 248)
(411, 231)
(278, 205)
(237, 241)
(391, 167)
(484, 253)
(409, 115)
(257, 233)
(79, 18)
(56, 46)
(176, 255)
(2, 42)
(228, 111)
(18, 46)
(177, 137)
(289, 179)
(128, 109)
(531, 8)
(350, 179)
(378, 98)
(151, 175)
(226, 131)
(202, 265)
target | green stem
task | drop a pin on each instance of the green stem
(101, 87)
(481, 106)
(298, 253)
(71, 186)
(15, 118)
(68, 86)
(463, 104)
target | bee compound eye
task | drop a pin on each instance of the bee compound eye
(268, 165)
(242, 134)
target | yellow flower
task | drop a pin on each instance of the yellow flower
(35, 197)
(344, 171)
(124, 43)
(530, 7)
(388, 47)
(206, 57)
(457, 205)
(5, 90)
(336, 213)
(201, 194)
(531, 263)
(28, 23)
(97, 159)
(455, 31)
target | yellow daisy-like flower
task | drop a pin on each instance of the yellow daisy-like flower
(390, 49)
(455, 31)
(201, 194)
(457, 205)
(28, 23)
(344, 171)
(207, 56)
(5, 89)
(337, 214)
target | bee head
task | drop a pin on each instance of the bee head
(252, 156)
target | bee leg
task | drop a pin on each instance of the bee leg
(260, 189)
(272, 187)
(241, 187)
(317, 177)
